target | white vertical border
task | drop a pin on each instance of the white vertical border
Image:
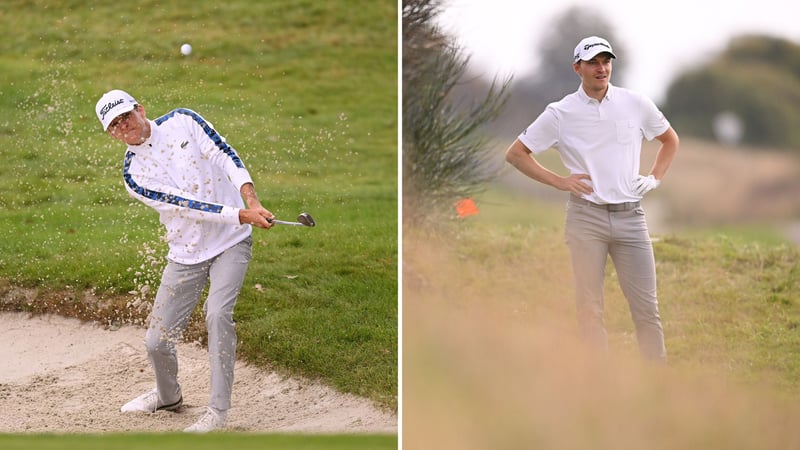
(399, 224)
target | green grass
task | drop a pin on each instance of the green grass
(729, 296)
(488, 310)
(211, 441)
(307, 94)
(733, 302)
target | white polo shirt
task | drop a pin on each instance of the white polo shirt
(601, 139)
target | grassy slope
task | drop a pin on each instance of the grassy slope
(305, 91)
(488, 311)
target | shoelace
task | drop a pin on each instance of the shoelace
(209, 419)
(151, 399)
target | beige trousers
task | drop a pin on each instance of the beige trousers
(592, 234)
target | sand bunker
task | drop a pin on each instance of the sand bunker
(62, 375)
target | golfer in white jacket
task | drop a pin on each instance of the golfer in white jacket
(181, 167)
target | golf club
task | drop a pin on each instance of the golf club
(303, 220)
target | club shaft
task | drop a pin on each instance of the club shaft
(296, 224)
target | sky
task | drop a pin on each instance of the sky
(661, 39)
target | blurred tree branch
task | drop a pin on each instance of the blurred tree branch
(445, 157)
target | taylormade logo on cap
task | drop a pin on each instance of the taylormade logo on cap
(112, 104)
(590, 47)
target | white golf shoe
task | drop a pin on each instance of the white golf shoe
(210, 421)
(148, 402)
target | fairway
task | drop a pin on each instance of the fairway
(207, 442)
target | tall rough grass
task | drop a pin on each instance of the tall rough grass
(491, 358)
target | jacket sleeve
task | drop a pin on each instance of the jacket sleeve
(216, 149)
(168, 200)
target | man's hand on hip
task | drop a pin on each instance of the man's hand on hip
(575, 184)
(644, 184)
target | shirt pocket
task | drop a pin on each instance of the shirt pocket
(626, 131)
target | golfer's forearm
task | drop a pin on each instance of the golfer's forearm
(664, 159)
(248, 191)
(520, 158)
(665, 155)
(535, 171)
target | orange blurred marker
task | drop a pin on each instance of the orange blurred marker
(466, 207)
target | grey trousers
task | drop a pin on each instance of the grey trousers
(180, 291)
(592, 234)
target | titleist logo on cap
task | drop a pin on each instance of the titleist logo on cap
(105, 109)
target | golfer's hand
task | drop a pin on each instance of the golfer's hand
(258, 217)
(644, 184)
(574, 183)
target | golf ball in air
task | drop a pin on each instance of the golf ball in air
(186, 49)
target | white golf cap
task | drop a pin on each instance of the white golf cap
(112, 104)
(590, 47)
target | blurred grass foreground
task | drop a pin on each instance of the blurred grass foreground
(491, 357)
(307, 94)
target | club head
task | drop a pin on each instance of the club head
(306, 219)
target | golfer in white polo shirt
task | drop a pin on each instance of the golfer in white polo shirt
(598, 132)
